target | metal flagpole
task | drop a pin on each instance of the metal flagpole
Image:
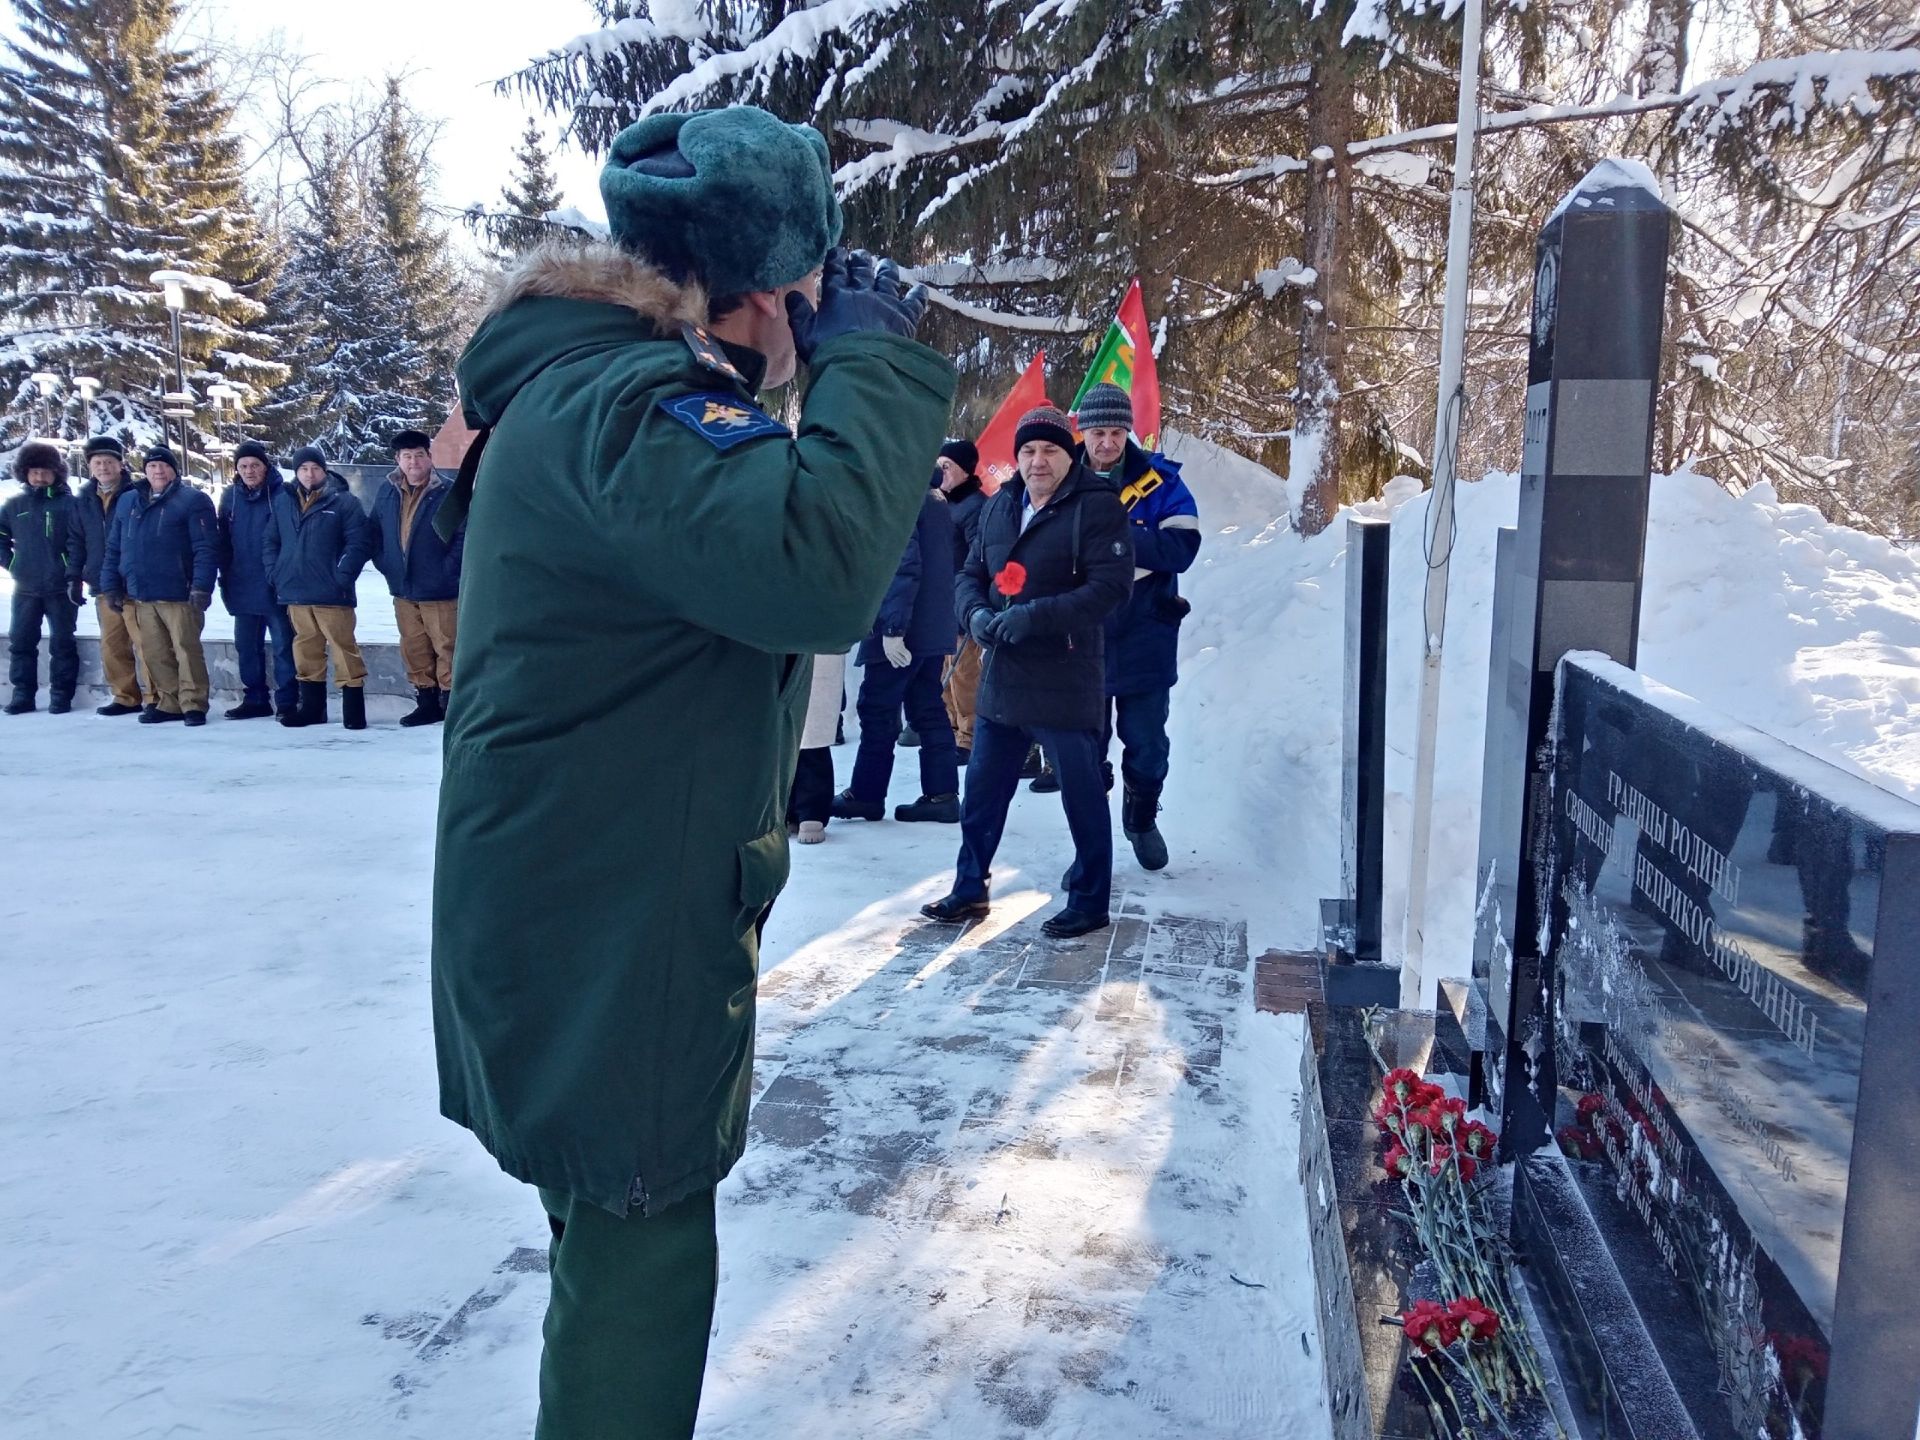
(1440, 521)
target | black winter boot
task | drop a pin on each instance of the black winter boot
(1138, 813)
(953, 907)
(1046, 782)
(313, 706)
(426, 711)
(22, 703)
(116, 708)
(1072, 924)
(353, 708)
(250, 710)
(154, 715)
(1035, 762)
(940, 809)
(59, 704)
(847, 806)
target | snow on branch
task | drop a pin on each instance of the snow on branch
(1838, 80)
(799, 35)
(1009, 320)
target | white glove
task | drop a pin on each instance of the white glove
(896, 650)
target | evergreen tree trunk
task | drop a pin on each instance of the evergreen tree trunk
(1318, 433)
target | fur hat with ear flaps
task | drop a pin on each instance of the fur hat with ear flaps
(737, 199)
(38, 455)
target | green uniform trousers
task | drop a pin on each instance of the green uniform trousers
(627, 1324)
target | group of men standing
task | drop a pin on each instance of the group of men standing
(1087, 650)
(152, 549)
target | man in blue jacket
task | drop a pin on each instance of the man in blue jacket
(246, 514)
(1143, 636)
(319, 542)
(905, 656)
(422, 572)
(163, 552)
(38, 550)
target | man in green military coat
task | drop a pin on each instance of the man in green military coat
(650, 560)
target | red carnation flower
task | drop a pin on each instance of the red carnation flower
(1452, 1110)
(1397, 1162)
(1400, 1084)
(1578, 1144)
(1428, 1118)
(1443, 1154)
(1473, 1319)
(1590, 1105)
(1429, 1327)
(1012, 579)
(1477, 1139)
(1428, 1094)
(1387, 1115)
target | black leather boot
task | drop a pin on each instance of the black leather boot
(953, 907)
(250, 710)
(1138, 814)
(426, 709)
(313, 706)
(353, 708)
(848, 806)
(940, 809)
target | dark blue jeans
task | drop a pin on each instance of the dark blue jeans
(884, 691)
(1141, 723)
(250, 635)
(23, 644)
(993, 775)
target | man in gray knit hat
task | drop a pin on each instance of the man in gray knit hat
(1143, 636)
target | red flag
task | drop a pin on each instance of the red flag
(996, 441)
(1125, 358)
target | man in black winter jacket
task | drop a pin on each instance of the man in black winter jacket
(967, 501)
(1053, 558)
(37, 549)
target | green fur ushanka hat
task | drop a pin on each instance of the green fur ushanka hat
(735, 198)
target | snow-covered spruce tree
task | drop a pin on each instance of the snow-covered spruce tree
(117, 158)
(433, 304)
(526, 200)
(1275, 173)
(356, 371)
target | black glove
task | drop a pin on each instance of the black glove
(980, 626)
(77, 593)
(202, 600)
(1011, 626)
(116, 600)
(854, 296)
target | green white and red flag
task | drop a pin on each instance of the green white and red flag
(1125, 358)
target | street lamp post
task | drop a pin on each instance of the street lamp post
(88, 387)
(46, 382)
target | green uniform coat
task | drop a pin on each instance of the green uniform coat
(639, 592)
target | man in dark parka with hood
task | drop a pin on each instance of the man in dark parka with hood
(650, 559)
(38, 549)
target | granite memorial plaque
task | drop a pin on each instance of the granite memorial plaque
(1570, 578)
(1733, 994)
(1356, 971)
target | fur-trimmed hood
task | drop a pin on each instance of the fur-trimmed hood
(561, 300)
(599, 270)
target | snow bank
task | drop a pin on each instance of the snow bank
(1807, 631)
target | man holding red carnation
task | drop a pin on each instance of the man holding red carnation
(1051, 561)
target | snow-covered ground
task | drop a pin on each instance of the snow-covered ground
(995, 1187)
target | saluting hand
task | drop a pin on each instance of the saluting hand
(856, 293)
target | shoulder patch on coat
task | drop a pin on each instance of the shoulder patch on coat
(707, 351)
(723, 421)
